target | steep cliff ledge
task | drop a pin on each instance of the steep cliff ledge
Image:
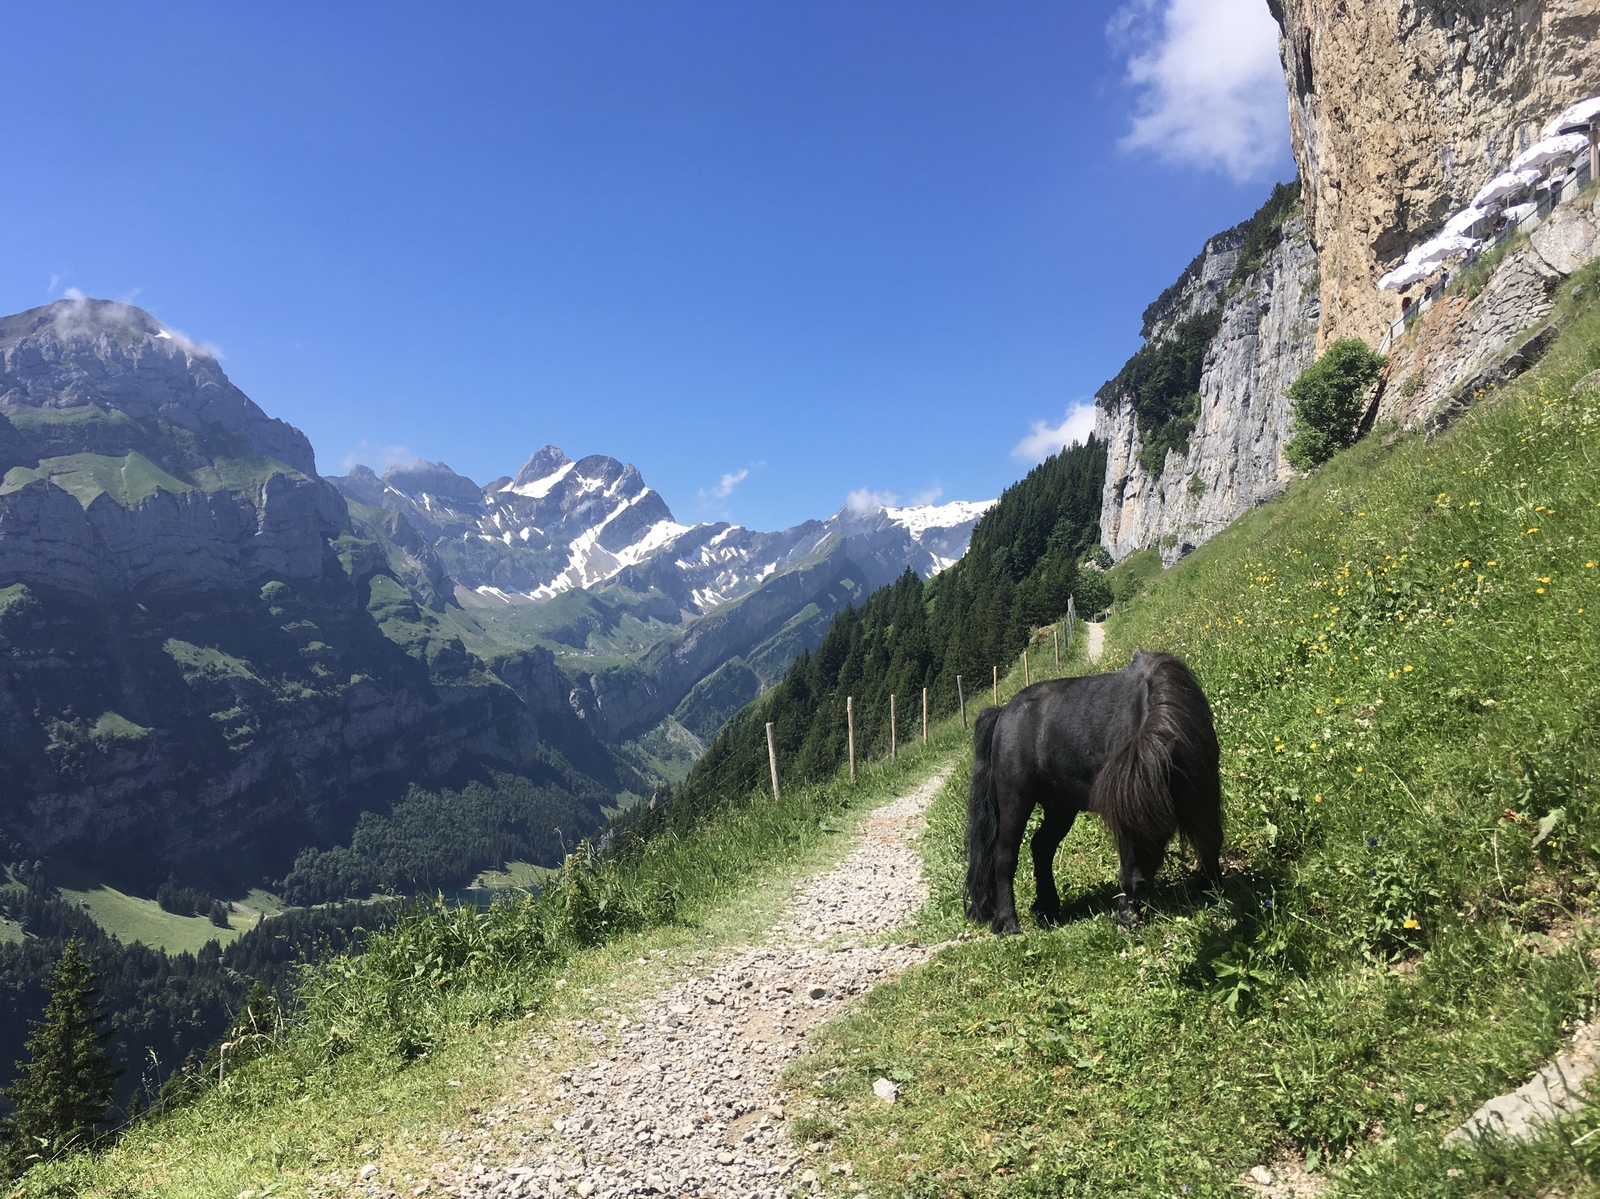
(1401, 109)
(1221, 451)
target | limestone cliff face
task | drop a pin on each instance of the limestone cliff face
(1401, 109)
(1265, 338)
(131, 463)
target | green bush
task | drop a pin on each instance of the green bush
(1326, 402)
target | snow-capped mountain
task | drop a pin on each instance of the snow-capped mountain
(692, 620)
(560, 525)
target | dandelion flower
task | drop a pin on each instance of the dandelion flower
(1408, 668)
(1316, 799)
(1412, 922)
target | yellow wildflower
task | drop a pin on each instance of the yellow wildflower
(1411, 922)
(1408, 668)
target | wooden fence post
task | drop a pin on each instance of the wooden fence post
(772, 759)
(997, 686)
(850, 724)
(1055, 635)
(1072, 617)
(924, 716)
(894, 733)
(1027, 674)
(961, 698)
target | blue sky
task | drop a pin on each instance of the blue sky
(838, 247)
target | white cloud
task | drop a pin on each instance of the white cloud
(711, 497)
(863, 500)
(927, 496)
(1044, 439)
(1210, 82)
(728, 482)
(379, 457)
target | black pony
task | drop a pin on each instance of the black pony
(1136, 747)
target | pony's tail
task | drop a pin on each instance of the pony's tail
(1164, 779)
(983, 821)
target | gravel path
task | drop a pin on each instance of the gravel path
(685, 1099)
(1097, 640)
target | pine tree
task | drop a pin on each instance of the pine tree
(62, 1093)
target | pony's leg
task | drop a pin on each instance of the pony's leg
(1052, 830)
(1137, 874)
(1014, 815)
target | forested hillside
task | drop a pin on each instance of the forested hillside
(1025, 560)
(165, 1006)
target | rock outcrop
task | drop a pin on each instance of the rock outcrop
(1265, 337)
(1401, 109)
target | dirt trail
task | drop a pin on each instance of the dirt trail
(684, 1099)
(1097, 640)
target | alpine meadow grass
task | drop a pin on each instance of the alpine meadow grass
(1402, 659)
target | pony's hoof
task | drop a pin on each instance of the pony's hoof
(1047, 917)
(1007, 927)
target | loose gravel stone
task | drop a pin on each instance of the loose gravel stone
(685, 1100)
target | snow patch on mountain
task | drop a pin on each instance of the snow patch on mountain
(919, 520)
(539, 488)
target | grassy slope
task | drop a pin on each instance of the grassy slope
(129, 918)
(339, 1088)
(1402, 658)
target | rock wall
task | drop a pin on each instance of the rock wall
(1401, 109)
(1235, 459)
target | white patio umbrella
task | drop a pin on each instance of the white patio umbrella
(1517, 211)
(1575, 116)
(1465, 219)
(1508, 183)
(1551, 149)
(1404, 275)
(1440, 247)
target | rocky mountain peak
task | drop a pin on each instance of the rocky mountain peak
(544, 463)
(80, 352)
(417, 479)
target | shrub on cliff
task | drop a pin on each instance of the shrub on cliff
(1326, 402)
